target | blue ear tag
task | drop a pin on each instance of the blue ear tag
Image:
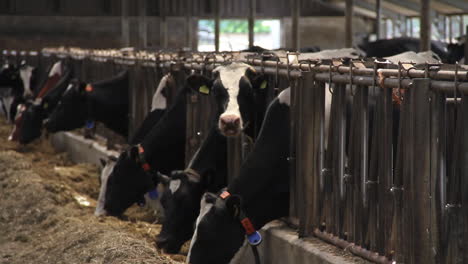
(254, 238)
(89, 124)
(153, 194)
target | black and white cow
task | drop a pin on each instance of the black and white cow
(261, 192)
(390, 47)
(16, 85)
(164, 145)
(29, 121)
(83, 104)
(207, 171)
(159, 106)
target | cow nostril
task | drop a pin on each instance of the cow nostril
(237, 121)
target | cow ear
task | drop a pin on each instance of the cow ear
(233, 204)
(200, 83)
(103, 162)
(209, 198)
(259, 82)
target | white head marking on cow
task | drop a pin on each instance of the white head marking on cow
(105, 173)
(204, 209)
(174, 185)
(159, 100)
(230, 76)
(26, 74)
(285, 97)
(56, 69)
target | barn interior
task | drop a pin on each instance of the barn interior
(377, 132)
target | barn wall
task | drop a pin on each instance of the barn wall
(325, 32)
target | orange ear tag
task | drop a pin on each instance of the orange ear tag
(225, 195)
(89, 88)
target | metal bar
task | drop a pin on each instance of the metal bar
(421, 183)
(125, 23)
(163, 42)
(466, 46)
(252, 11)
(217, 19)
(295, 15)
(188, 24)
(356, 250)
(142, 24)
(463, 171)
(426, 25)
(378, 19)
(307, 153)
(349, 37)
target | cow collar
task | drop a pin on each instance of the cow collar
(153, 194)
(89, 123)
(253, 236)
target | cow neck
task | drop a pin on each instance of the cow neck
(166, 140)
(212, 156)
(107, 102)
(264, 173)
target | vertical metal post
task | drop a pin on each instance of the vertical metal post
(461, 26)
(142, 24)
(295, 13)
(252, 11)
(217, 11)
(466, 47)
(162, 24)
(125, 24)
(188, 24)
(426, 26)
(450, 30)
(349, 38)
(378, 12)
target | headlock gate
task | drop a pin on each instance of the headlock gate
(379, 156)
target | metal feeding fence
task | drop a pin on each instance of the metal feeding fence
(379, 151)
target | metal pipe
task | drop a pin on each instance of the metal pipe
(295, 14)
(351, 247)
(378, 19)
(143, 24)
(426, 26)
(217, 7)
(188, 24)
(163, 24)
(125, 24)
(252, 11)
(349, 38)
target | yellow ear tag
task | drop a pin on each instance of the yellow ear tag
(46, 105)
(204, 89)
(264, 84)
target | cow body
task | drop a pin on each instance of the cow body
(164, 145)
(262, 187)
(104, 101)
(390, 47)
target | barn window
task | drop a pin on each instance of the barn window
(234, 34)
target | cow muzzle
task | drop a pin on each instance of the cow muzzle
(230, 125)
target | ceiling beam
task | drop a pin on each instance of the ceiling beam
(463, 5)
(386, 12)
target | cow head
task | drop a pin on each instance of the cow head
(107, 167)
(217, 227)
(71, 111)
(234, 88)
(31, 121)
(9, 75)
(181, 205)
(121, 190)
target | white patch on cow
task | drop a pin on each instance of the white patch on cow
(174, 185)
(155, 205)
(105, 173)
(204, 209)
(285, 97)
(56, 69)
(230, 76)
(159, 100)
(25, 74)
